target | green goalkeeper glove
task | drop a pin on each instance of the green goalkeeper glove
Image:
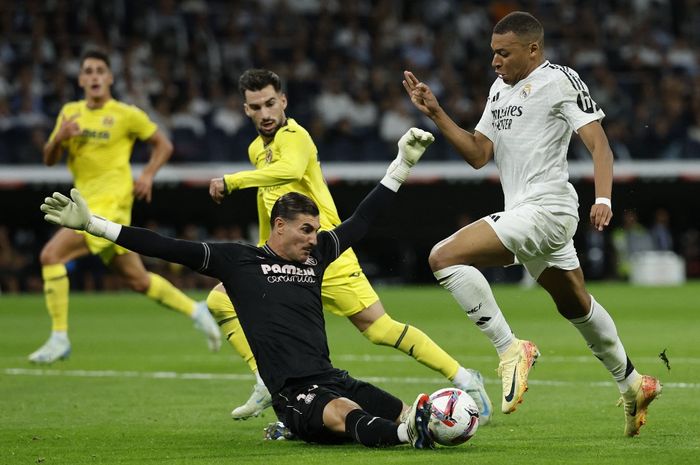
(411, 147)
(74, 214)
(413, 144)
(62, 211)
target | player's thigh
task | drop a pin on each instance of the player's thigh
(302, 411)
(130, 267)
(63, 247)
(476, 244)
(531, 232)
(347, 295)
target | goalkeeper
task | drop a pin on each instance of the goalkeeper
(285, 160)
(277, 292)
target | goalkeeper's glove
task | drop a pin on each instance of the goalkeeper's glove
(74, 214)
(411, 147)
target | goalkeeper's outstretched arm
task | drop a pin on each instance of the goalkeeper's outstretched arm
(75, 214)
(411, 147)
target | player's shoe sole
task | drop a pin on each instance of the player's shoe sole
(278, 431)
(636, 403)
(417, 420)
(514, 369)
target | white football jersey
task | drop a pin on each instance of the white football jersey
(530, 125)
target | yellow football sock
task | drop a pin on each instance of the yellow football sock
(56, 287)
(163, 292)
(222, 309)
(413, 342)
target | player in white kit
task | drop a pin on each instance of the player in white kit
(532, 109)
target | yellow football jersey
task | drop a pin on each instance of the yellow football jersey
(98, 158)
(290, 164)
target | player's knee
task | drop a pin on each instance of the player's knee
(48, 256)
(439, 258)
(138, 283)
(220, 305)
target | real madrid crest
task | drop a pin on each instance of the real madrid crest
(108, 121)
(527, 88)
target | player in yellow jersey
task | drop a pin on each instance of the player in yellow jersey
(285, 160)
(98, 134)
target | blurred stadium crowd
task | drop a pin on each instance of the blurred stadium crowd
(343, 63)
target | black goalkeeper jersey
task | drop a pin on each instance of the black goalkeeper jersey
(278, 302)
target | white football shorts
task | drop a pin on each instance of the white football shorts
(538, 238)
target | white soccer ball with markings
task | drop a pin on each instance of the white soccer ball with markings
(454, 417)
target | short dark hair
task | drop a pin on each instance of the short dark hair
(292, 204)
(522, 24)
(258, 79)
(97, 54)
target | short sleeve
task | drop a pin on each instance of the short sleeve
(140, 125)
(574, 102)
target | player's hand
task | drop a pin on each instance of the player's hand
(217, 189)
(143, 188)
(421, 95)
(601, 215)
(62, 211)
(69, 128)
(413, 144)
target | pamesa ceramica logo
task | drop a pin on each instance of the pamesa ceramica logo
(288, 274)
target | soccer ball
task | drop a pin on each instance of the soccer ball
(454, 417)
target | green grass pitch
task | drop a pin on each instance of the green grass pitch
(141, 387)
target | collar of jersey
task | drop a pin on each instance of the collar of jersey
(269, 250)
(544, 64)
(108, 103)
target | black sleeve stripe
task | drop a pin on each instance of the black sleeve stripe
(207, 254)
(576, 78)
(336, 241)
(575, 82)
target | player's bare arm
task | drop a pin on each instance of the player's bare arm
(476, 149)
(217, 189)
(52, 149)
(160, 154)
(593, 135)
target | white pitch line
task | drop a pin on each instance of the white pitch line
(239, 377)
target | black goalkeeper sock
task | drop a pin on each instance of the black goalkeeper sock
(371, 431)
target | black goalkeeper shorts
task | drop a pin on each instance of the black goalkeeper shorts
(301, 405)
